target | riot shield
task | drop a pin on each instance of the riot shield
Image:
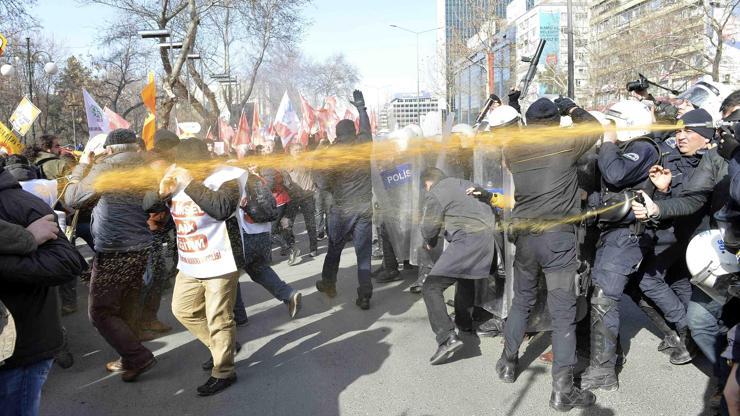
(489, 171)
(422, 159)
(392, 176)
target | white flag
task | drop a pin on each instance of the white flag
(287, 123)
(97, 121)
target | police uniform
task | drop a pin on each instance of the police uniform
(665, 262)
(546, 189)
(620, 250)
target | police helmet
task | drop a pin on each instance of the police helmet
(502, 116)
(630, 114)
(713, 268)
(708, 95)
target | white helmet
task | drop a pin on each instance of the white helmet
(464, 130)
(712, 267)
(707, 95)
(501, 116)
(402, 137)
(630, 114)
(601, 117)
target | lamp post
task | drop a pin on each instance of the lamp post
(418, 90)
(50, 68)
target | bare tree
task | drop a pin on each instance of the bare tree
(252, 25)
(15, 16)
(718, 15)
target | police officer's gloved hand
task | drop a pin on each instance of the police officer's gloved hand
(565, 104)
(480, 193)
(728, 141)
(358, 100)
(514, 96)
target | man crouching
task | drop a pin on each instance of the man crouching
(469, 226)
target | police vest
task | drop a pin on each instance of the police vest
(620, 198)
(203, 244)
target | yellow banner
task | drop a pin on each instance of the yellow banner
(24, 116)
(8, 142)
(3, 44)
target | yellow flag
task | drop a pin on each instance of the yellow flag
(147, 132)
(8, 142)
(148, 96)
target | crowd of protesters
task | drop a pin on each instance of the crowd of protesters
(196, 236)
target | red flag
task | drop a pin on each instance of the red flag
(308, 119)
(115, 121)
(243, 134)
(256, 124)
(225, 132)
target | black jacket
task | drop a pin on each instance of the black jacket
(28, 280)
(468, 228)
(708, 188)
(351, 189)
(545, 175)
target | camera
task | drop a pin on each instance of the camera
(640, 85)
(666, 112)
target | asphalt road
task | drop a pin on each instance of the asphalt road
(336, 359)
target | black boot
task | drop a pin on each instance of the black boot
(670, 338)
(600, 373)
(506, 368)
(681, 353)
(446, 350)
(565, 395)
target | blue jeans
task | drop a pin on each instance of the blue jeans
(341, 226)
(703, 316)
(20, 389)
(256, 256)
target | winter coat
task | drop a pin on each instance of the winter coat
(28, 279)
(52, 166)
(546, 176)
(351, 188)
(708, 187)
(119, 224)
(468, 228)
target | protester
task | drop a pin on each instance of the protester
(351, 212)
(468, 228)
(303, 198)
(35, 257)
(122, 246)
(48, 158)
(206, 285)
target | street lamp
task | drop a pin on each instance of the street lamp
(418, 92)
(50, 68)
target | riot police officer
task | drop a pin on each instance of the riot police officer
(625, 160)
(546, 188)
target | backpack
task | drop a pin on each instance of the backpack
(260, 205)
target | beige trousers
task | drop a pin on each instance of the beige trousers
(206, 308)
